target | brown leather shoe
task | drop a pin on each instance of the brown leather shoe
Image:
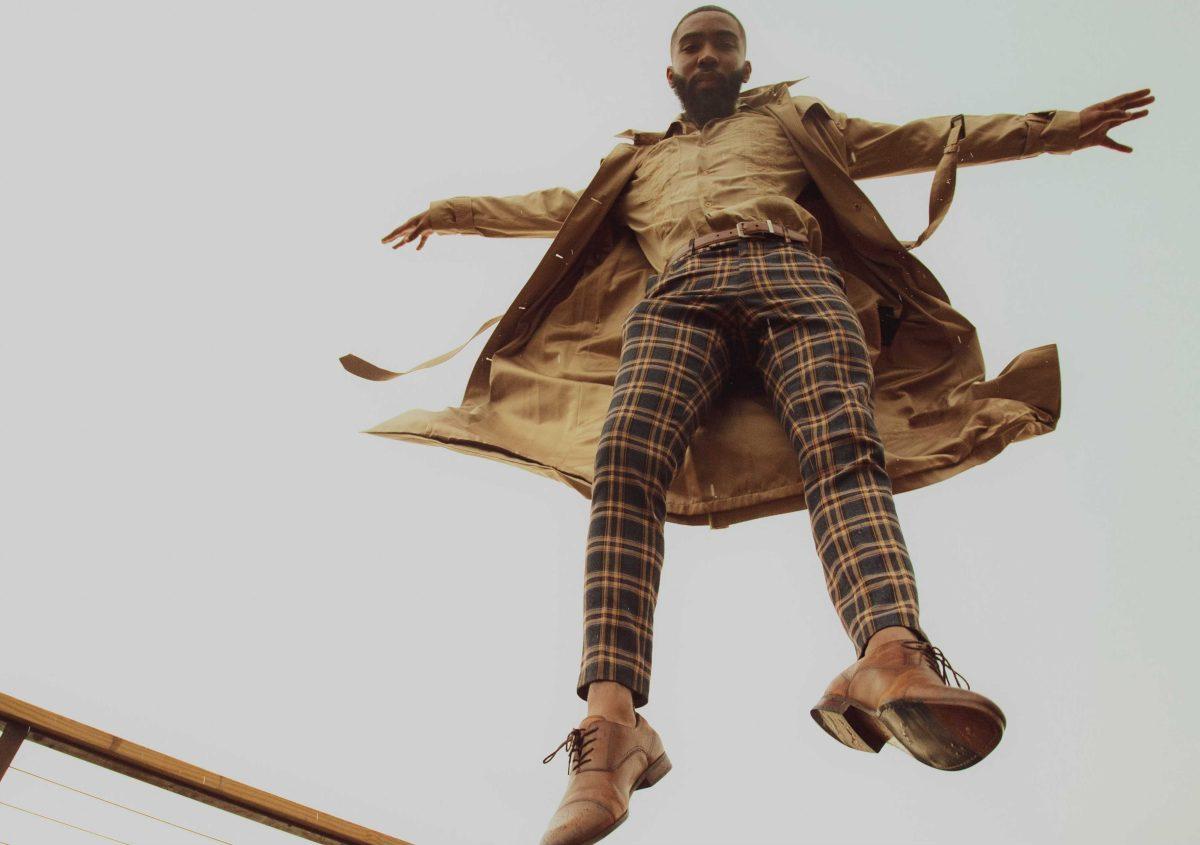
(900, 692)
(606, 762)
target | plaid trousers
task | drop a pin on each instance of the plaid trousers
(782, 307)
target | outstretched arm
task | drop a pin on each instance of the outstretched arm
(886, 149)
(538, 214)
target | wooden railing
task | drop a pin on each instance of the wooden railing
(24, 721)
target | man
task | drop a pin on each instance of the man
(745, 281)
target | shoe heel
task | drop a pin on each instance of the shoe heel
(655, 772)
(849, 725)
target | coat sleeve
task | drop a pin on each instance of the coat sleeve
(887, 149)
(538, 214)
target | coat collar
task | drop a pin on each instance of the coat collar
(752, 98)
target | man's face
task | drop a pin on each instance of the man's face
(708, 65)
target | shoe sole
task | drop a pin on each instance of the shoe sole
(950, 737)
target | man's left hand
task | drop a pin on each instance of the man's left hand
(1095, 121)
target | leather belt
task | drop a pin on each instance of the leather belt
(741, 230)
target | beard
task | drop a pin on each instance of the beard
(718, 99)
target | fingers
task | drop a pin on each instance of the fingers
(407, 239)
(394, 233)
(1115, 117)
(409, 230)
(1113, 145)
(404, 234)
(1123, 99)
(1110, 109)
(423, 232)
(401, 231)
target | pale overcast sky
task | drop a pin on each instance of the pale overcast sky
(205, 556)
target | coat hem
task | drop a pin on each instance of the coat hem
(786, 498)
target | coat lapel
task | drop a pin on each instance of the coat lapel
(855, 214)
(563, 259)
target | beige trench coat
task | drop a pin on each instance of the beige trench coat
(540, 389)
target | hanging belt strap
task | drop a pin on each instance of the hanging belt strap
(944, 178)
(367, 370)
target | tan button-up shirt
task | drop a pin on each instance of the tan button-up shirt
(700, 180)
(736, 168)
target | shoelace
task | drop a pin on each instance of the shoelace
(575, 743)
(937, 660)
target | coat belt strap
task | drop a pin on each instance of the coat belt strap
(944, 178)
(367, 370)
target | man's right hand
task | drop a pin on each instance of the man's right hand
(412, 228)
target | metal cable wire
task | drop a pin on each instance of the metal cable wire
(115, 804)
(60, 821)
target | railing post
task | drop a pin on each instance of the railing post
(10, 742)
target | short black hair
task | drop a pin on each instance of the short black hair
(709, 8)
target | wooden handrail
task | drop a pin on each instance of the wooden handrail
(144, 764)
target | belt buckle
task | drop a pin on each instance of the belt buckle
(738, 228)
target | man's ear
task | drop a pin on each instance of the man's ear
(670, 75)
(746, 72)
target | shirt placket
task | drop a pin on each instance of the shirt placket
(664, 216)
(700, 170)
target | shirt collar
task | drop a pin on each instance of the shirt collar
(749, 99)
